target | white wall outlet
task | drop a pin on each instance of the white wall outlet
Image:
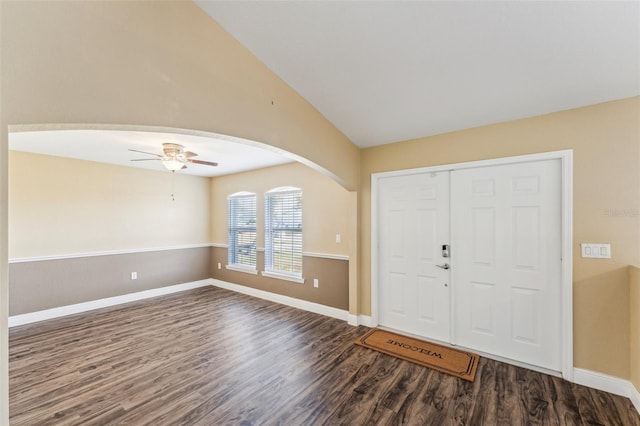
(134, 275)
(596, 251)
(219, 265)
(338, 238)
(315, 282)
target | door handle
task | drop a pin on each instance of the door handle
(445, 266)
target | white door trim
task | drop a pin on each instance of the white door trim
(566, 159)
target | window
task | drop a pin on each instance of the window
(242, 230)
(283, 233)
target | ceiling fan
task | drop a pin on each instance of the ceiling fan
(175, 157)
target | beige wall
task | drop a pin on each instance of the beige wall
(326, 206)
(64, 206)
(154, 63)
(605, 139)
(327, 209)
(634, 307)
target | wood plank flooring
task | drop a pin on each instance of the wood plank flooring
(213, 357)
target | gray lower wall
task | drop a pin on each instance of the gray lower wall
(39, 285)
(45, 284)
(332, 274)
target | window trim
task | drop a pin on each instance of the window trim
(281, 276)
(247, 270)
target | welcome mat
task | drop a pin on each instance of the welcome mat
(444, 359)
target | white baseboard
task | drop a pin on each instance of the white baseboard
(366, 320)
(356, 320)
(604, 382)
(317, 308)
(352, 320)
(635, 398)
(77, 308)
(47, 314)
(601, 381)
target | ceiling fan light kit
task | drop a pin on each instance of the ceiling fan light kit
(173, 165)
(175, 157)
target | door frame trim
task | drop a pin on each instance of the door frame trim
(566, 223)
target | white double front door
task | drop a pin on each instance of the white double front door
(473, 257)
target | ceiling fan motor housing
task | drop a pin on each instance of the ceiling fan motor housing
(172, 150)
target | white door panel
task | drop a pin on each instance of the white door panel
(414, 224)
(506, 235)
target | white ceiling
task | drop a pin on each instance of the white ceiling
(386, 71)
(112, 146)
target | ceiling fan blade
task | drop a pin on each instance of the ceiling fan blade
(143, 152)
(204, 163)
(189, 154)
(146, 159)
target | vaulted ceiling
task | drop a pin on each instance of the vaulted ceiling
(386, 71)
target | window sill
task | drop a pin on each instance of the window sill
(284, 277)
(245, 269)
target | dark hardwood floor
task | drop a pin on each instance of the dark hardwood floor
(214, 357)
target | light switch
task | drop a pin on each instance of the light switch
(596, 251)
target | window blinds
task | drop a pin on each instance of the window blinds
(283, 232)
(242, 230)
